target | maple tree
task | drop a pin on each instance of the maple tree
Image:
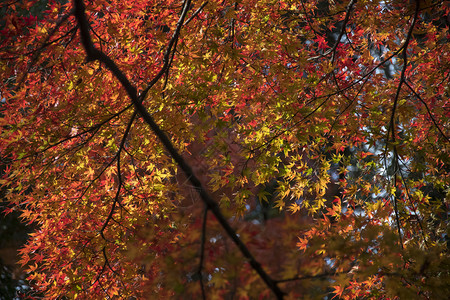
(229, 150)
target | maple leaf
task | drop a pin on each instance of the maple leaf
(321, 42)
(338, 290)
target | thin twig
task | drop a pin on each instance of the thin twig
(392, 127)
(202, 252)
(341, 34)
(306, 277)
(44, 44)
(195, 13)
(428, 111)
(405, 184)
(119, 174)
(93, 129)
(395, 198)
(166, 58)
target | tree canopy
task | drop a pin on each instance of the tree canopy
(229, 149)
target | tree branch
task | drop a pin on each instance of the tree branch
(341, 34)
(44, 44)
(119, 174)
(428, 111)
(94, 54)
(202, 252)
(392, 126)
(195, 13)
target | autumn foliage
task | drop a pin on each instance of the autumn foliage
(229, 149)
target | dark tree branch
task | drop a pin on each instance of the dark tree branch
(92, 129)
(97, 279)
(408, 194)
(94, 54)
(341, 34)
(363, 79)
(395, 197)
(404, 53)
(392, 127)
(97, 177)
(428, 111)
(202, 252)
(281, 132)
(317, 276)
(195, 13)
(166, 59)
(119, 174)
(44, 44)
(351, 101)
